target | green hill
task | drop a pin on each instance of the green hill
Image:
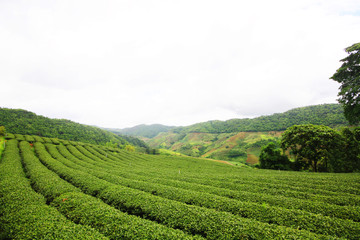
(69, 190)
(331, 115)
(240, 140)
(24, 122)
(143, 130)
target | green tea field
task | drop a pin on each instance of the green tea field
(58, 189)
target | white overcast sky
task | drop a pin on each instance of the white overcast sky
(121, 63)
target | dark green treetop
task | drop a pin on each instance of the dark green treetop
(348, 75)
(272, 158)
(313, 144)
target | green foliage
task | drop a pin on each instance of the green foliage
(272, 158)
(2, 131)
(173, 213)
(110, 221)
(134, 141)
(348, 159)
(148, 131)
(9, 136)
(217, 139)
(2, 145)
(152, 151)
(187, 149)
(169, 153)
(130, 148)
(27, 123)
(348, 75)
(127, 195)
(224, 146)
(84, 209)
(42, 180)
(29, 138)
(324, 149)
(111, 144)
(326, 114)
(313, 145)
(186, 193)
(24, 213)
(234, 153)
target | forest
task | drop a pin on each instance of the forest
(148, 131)
(316, 148)
(27, 123)
(325, 114)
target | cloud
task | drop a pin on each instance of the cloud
(122, 63)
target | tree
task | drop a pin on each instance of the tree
(234, 153)
(351, 150)
(2, 131)
(313, 145)
(112, 144)
(271, 158)
(130, 148)
(348, 75)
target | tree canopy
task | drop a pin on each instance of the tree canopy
(348, 75)
(313, 145)
(326, 114)
(350, 160)
(27, 123)
(271, 158)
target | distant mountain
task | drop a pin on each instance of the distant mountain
(326, 114)
(28, 123)
(147, 131)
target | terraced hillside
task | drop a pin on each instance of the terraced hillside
(51, 188)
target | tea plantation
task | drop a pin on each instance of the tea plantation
(57, 189)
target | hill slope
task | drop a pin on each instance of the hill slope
(24, 122)
(143, 130)
(240, 140)
(331, 115)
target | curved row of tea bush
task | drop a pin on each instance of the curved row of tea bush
(24, 213)
(192, 219)
(46, 182)
(272, 189)
(301, 182)
(35, 138)
(264, 213)
(143, 185)
(344, 212)
(341, 199)
(88, 210)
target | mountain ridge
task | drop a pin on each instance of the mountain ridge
(323, 114)
(142, 130)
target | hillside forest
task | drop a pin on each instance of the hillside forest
(27, 123)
